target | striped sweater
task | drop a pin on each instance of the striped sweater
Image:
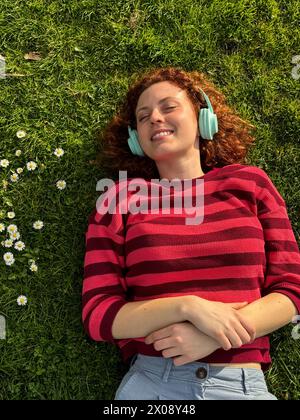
(243, 249)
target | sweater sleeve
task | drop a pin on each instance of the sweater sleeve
(104, 288)
(282, 252)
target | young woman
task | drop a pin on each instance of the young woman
(189, 305)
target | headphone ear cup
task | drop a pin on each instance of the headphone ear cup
(133, 143)
(208, 121)
(208, 124)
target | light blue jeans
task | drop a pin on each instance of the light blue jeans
(157, 378)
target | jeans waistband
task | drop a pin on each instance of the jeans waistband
(166, 370)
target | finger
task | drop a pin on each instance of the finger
(223, 341)
(234, 339)
(164, 343)
(172, 352)
(243, 334)
(148, 339)
(158, 335)
(181, 360)
(247, 325)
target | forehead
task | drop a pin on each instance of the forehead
(158, 91)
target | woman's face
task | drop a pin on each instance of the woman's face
(166, 106)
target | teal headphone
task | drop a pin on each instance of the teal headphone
(208, 125)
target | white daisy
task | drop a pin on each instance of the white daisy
(12, 229)
(5, 184)
(296, 332)
(59, 152)
(2, 227)
(31, 166)
(61, 184)
(38, 224)
(20, 170)
(8, 243)
(14, 236)
(33, 267)
(22, 300)
(10, 214)
(14, 177)
(19, 246)
(21, 134)
(8, 258)
(18, 153)
(4, 163)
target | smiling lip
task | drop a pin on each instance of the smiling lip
(163, 137)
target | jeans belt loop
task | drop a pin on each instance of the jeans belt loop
(245, 381)
(168, 367)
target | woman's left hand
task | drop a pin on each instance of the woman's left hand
(183, 342)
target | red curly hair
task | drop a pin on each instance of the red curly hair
(230, 145)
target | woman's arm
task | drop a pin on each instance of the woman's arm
(267, 314)
(138, 319)
(216, 319)
(270, 313)
(185, 343)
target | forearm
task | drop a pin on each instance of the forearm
(258, 318)
(138, 319)
(270, 313)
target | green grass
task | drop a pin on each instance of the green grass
(90, 49)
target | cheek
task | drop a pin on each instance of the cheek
(141, 132)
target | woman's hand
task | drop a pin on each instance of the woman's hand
(183, 340)
(220, 321)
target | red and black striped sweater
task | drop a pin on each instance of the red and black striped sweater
(243, 249)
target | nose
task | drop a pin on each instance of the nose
(156, 116)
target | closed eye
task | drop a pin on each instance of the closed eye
(169, 107)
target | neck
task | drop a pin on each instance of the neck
(185, 169)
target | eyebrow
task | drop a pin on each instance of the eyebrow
(162, 100)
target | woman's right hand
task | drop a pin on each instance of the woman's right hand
(219, 320)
